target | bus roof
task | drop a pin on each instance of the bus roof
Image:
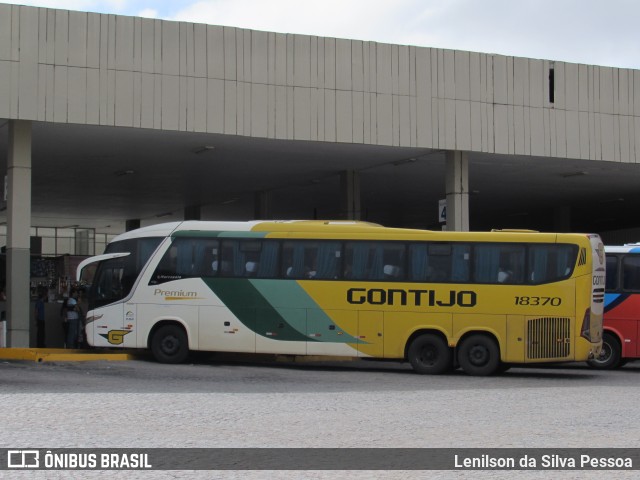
(629, 247)
(338, 227)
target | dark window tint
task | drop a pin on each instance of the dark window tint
(551, 263)
(112, 283)
(115, 278)
(186, 258)
(249, 258)
(612, 273)
(439, 262)
(139, 249)
(499, 263)
(631, 273)
(310, 259)
(374, 261)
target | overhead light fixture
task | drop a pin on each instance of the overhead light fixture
(204, 148)
(574, 174)
(122, 173)
(165, 214)
(231, 200)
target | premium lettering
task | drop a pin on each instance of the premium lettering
(417, 298)
(174, 293)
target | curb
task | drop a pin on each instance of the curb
(60, 355)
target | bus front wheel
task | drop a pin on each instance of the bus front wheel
(479, 355)
(610, 355)
(169, 344)
(430, 354)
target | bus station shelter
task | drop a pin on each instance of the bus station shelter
(109, 122)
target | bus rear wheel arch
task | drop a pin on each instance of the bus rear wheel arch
(479, 354)
(611, 354)
(429, 354)
(169, 343)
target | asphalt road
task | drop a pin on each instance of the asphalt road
(231, 402)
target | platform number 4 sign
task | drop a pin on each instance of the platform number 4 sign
(442, 211)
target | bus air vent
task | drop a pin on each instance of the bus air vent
(548, 338)
(583, 257)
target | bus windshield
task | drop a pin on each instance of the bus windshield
(115, 277)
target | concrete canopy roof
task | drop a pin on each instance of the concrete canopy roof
(116, 105)
(98, 177)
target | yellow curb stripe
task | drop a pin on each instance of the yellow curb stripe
(60, 355)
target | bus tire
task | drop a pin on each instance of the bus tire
(610, 355)
(169, 344)
(429, 354)
(479, 355)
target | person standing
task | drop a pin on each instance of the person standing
(40, 325)
(73, 320)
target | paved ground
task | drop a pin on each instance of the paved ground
(224, 403)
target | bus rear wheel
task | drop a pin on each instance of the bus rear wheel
(479, 355)
(169, 344)
(429, 354)
(610, 355)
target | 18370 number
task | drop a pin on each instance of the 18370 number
(534, 301)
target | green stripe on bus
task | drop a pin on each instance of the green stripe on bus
(296, 299)
(205, 234)
(277, 309)
(255, 312)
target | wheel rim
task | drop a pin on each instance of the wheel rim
(170, 345)
(605, 353)
(479, 355)
(428, 355)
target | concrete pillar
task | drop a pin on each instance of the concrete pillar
(457, 188)
(192, 212)
(82, 242)
(132, 224)
(262, 206)
(18, 233)
(350, 195)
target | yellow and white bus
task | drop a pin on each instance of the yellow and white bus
(481, 301)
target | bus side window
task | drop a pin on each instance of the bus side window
(186, 258)
(269, 259)
(419, 262)
(631, 272)
(550, 263)
(612, 274)
(439, 268)
(373, 260)
(167, 267)
(499, 263)
(306, 259)
(293, 259)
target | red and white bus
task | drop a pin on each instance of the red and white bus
(621, 336)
